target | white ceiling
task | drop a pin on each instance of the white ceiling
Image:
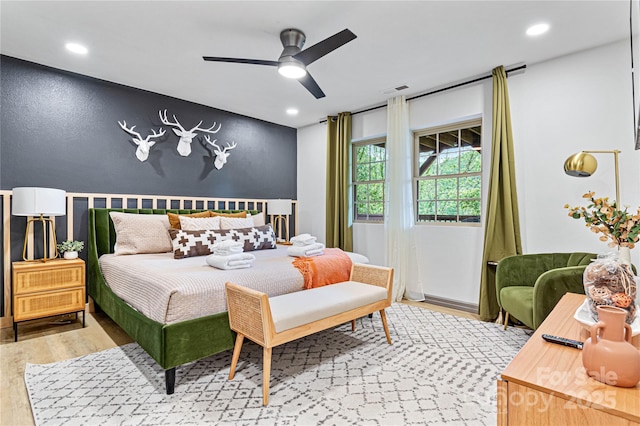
(158, 45)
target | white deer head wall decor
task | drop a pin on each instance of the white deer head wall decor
(186, 136)
(144, 145)
(221, 154)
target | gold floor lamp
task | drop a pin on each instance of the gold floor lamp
(583, 164)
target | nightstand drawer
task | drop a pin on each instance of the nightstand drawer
(47, 304)
(37, 279)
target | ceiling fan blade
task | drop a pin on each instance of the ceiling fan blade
(318, 50)
(310, 84)
(241, 61)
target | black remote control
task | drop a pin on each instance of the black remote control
(562, 341)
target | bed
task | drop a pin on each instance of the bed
(174, 337)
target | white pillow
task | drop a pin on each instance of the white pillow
(141, 233)
(235, 222)
(199, 223)
(357, 257)
(258, 219)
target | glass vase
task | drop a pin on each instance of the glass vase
(609, 281)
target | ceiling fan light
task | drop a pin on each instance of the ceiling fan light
(292, 70)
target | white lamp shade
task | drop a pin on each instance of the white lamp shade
(33, 201)
(279, 207)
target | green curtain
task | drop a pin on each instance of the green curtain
(502, 226)
(339, 229)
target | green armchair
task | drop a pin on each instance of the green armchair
(529, 286)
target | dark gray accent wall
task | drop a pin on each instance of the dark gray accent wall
(60, 130)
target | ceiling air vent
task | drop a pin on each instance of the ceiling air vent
(395, 89)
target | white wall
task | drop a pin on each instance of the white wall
(559, 107)
(578, 102)
(312, 174)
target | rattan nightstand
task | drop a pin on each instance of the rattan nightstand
(44, 289)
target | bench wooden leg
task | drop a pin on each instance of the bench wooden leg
(236, 355)
(385, 325)
(266, 374)
(353, 325)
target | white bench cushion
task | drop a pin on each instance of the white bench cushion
(302, 307)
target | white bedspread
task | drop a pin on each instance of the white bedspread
(169, 290)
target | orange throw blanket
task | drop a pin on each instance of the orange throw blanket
(332, 267)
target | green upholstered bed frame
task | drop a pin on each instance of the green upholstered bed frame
(170, 345)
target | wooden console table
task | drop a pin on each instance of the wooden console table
(546, 383)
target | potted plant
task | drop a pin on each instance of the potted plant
(69, 249)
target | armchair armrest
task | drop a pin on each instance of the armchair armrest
(551, 286)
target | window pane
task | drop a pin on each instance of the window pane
(429, 167)
(377, 171)
(469, 187)
(362, 172)
(378, 153)
(362, 154)
(470, 209)
(376, 208)
(361, 193)
(449, 162)
(361, 211)
(447, 210)
(426, 210)
(470, 161)
(376, 192)
(427, 189)
(447, 188)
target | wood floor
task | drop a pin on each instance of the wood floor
(40, 342)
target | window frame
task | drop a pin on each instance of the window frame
(354, 182)
(454, 126)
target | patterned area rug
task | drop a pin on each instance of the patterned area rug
(440, 369)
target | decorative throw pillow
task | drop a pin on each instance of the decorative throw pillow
(235, 222)
(192, 243)
(140, 233)
(200, 243)
(199, 223)
(254, 238)
(258, 219)
(174, 219)
(238, 214)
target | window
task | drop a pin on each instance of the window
(447, 173)
(368, 180)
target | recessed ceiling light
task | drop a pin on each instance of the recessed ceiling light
(292, 111)
(537, 29)
(76, 48)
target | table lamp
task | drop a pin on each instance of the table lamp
(39, 202)
(281, 209)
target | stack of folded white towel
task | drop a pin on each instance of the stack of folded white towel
(229, 255)
(304, 245)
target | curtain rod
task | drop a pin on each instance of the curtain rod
(433, 92)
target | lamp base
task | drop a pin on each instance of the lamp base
(278, 223)
(52, 229)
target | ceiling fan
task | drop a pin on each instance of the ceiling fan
(293, 61)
